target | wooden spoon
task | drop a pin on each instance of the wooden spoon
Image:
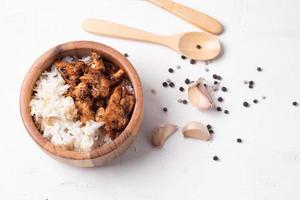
(190, 15)
(194, 45)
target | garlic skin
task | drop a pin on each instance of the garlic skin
(196, 130)
(199, 95)
(162, 133)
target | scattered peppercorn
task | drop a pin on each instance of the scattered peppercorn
(246, 104)
(295, 103)
(220, 99)
(181, 89)
(211, 131)
(250, 86)
(126, 55)
(187, 81)
(251, 82)
(219, 109)
(198, 46)
(216, 82)
(171, 70)
(171, 84)
(208, 126)
(224, 89)
(165, 109)
(184, 101)
(255, 101)
(219, 78)
(226, 111)
(259, 69)
(192, 61)
(183, 57)
(215, 76)
(165, 84)
(239, 140)
(215, 158)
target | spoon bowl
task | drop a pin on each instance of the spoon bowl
(199, 46)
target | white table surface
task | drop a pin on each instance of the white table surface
(258, 33)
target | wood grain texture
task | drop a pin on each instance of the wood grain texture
(105, 153)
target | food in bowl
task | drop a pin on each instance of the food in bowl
(81, 103)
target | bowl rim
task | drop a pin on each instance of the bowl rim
(38, 67)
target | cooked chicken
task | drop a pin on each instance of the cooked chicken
(81, 91)
(100, 85)
(96, 63)
(118, 110)
(85, 110)
(101, 92)
(70, 72)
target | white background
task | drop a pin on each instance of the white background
(258, 33)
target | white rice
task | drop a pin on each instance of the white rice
(57, 114)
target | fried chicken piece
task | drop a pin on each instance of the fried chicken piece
(117, 77)
(85, 110)
(81, 91)
(127, 104)
(70, 72)
(100, 114)
(117, 112)
(100, 85)
(97, 63)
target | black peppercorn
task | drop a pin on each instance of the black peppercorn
(220, 99)
(165, 109)
(219, 78)
(216, 82)
(215, 158)
(259, 69)
(215, 76)
(295, 103)
(251, 82)
(219, 109)
(239, 140)
(187, 81)
(183, 57)
(181, 89)
(208, 126)
(250, 86)
(198, 46)
(226, 111)
(246, 104)
(184, 101)
(171, 84)
(192, 61)
(211, 131)
(126, 55)
(165, 84)
(255, 101)
(224, 89)
(171, 70)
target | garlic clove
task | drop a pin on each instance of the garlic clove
(196, 130)
(199, 95)
(162, 133)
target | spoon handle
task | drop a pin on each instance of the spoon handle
(190, 15)
(111, 29)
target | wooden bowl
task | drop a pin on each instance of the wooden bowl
(105, 153)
